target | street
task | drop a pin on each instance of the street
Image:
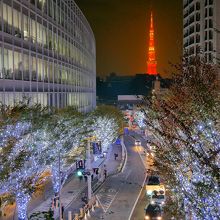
(119, 193)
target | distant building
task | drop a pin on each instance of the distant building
(201, 28)
(129, 102)
(140, 84)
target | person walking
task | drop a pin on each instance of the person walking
(105, 173)
(62, 210)
(80, 178)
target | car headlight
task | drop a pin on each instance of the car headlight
(149, 192)
(159, 218)
(152, 202)
(162, 203)
(147, 217)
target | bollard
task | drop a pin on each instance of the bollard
(93, 209)
(69, 215)
(96, 203)
(81, 212)
(76, 216)
(85, 217)
(88, 213)
(57, 203)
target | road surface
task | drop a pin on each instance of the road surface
(119, 194)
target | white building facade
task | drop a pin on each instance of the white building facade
(201, 28)
(48, 54)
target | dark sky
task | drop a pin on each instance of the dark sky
(121, 31)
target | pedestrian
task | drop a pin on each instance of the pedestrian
(115, 155)
(105, 173)
(52, 203)
(80, 178)
(55, 202)
(62, 209)
(92, 177)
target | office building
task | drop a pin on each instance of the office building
(48, 54)
(201, 26)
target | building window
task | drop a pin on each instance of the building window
(191, 30)
(33, 2)
(210, 23)
(210, 11)
(206, 35)
(198, 49)
(206, 23)
(206, 47)
(210, 2)
(191, 40)
(197, 38)
(191, 50)
(197, 16)
(210, 35)
(210, 46)
(210, 57)
(206, 2)
(206, 57)
(197, 27)
(206, 12)
(197, 6)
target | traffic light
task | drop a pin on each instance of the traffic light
(79, 173)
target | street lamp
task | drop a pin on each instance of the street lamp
(60, 208)
(89, 168)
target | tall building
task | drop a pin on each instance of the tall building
(47, 54)
(151, 63)
(201, 26)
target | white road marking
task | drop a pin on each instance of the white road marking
(106, 198)
(141, 188)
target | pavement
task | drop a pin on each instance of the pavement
(111, 165)
(75, 188)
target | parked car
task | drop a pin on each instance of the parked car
(137, 143)
(153, 212)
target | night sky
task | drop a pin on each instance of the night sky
(121, 31)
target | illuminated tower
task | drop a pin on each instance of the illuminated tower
(151, 63)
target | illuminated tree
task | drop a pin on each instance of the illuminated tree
(21, 158)
(64, 133)
(106, 131)
(185, 124)
(139, 118)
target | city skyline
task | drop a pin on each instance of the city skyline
(121, 31)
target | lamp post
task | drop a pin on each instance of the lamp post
(60, 207)
(89, 168)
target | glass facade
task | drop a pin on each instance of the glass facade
(47, 54)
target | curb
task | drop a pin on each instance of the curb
(119, 169)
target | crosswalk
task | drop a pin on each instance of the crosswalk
(105, 197)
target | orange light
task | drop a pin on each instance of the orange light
(151, 63)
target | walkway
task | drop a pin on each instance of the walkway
(75, 188)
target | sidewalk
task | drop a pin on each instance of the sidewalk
(111, 165)
(74, 188)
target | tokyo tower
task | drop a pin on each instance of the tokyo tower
(151, 62)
